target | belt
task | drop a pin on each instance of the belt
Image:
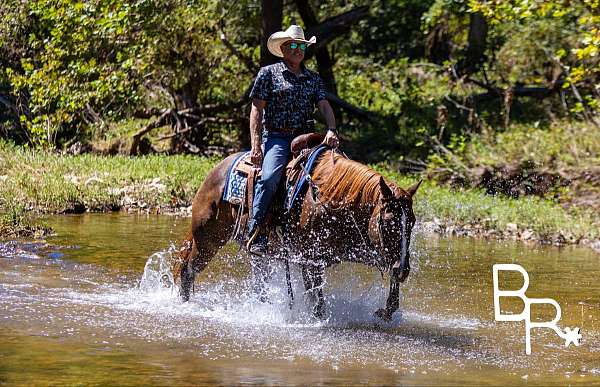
(309, 126)
(270, 128)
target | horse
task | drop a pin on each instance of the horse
(349, 213)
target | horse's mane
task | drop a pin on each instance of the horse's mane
(345, 182)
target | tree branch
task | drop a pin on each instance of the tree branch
(248, 63)
(475, 54)
(324, 60)
(197, 124)
(214, 107)
(334, 27)
(532, 92)
(161, 121)
(356, 111)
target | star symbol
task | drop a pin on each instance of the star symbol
(572, 336)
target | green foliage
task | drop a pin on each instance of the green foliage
(74, 70)
(392, 31)
(18, 221)
(51, 183)
(405, 93)
(108, 58)
(84, 56)
(549, 34)
(459, 207)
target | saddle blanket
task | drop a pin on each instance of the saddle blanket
(235, 186)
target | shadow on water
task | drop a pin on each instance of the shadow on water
(96, 305)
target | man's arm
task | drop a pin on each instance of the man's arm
(331, 137)
(256, 115)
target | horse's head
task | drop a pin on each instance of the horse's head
(391, 226)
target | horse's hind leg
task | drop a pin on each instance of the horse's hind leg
(313, 283)
(212, 223)
(187, 272)
(209, 233)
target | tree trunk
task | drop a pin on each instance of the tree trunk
(272, 14)
(324, 62)
(437, 45)
(335, 26)
(326, 32)
(475, 54)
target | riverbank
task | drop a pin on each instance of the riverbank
(472, 212)
(16, 222)
(45, 182)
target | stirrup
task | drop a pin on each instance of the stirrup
(252, 237)
(257, 244)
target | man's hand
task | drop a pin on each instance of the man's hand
(256, 153)
(256, 156)
(331, 139)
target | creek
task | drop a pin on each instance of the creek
(94, 305)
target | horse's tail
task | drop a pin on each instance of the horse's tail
(183, 256)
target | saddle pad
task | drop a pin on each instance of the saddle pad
(235, 186)
(295, 190)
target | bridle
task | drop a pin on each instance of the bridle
(404, 236)
(378, 221)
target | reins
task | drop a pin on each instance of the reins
(330, 211)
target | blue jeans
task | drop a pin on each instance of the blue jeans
(276, 154)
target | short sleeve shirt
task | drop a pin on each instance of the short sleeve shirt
(291, 98)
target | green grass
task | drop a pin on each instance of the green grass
(47, 182)
(18, 222)
(473, 206)
(570, 149)
(562, 144)
(54, 183)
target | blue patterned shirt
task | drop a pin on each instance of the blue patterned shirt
(290, 98)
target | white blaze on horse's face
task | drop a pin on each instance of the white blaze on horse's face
(395, 223)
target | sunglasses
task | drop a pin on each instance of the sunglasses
(294, 46)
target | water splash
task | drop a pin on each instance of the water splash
(233, 301)
(157, 271)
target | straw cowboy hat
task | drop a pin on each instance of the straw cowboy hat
(294, 32)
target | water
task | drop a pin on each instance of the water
(96, 305)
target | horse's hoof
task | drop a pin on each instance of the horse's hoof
(184, 294)
(319, 313)
(384, 315)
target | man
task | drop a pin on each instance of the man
(284, 97)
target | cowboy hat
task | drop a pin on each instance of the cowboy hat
(294, 32)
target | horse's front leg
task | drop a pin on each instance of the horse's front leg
(261, 275)
(313, 284)
(393, 301)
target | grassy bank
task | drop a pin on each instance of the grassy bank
(558, 160)
(51, 183)
(16, 221)
(473, 212)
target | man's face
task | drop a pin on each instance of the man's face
(293, 51)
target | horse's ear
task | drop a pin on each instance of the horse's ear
(413, 189)
(385, 190)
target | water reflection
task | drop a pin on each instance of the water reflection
(78, 309)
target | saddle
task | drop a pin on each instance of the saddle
(242, 176)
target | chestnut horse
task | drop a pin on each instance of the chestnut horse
(349, 213)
